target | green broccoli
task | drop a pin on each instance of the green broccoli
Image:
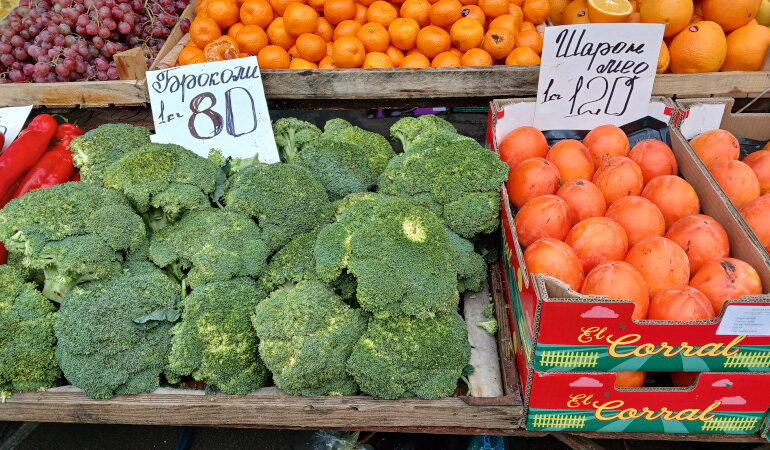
(105, 344)
(306, 335)
(460, 183)
(398, 251)
(471, 267)
(291, 135)
(163, 181)
(101, 147)
(26, 334)
(408, 129)
(440, 141)
(490, 325)
(215, 341)
(284, 199)
(406, 356)
(73, 232)
(210, 245)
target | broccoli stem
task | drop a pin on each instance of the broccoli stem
(156, 219)
(288, 153)
(56, 286)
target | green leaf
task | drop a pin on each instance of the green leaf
(153, 319)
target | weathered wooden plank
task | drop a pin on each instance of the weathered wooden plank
(131, 64)
(93, 94)
(726, 84)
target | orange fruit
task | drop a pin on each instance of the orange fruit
(573, 160)
(522, 56)
(634, 17)
(302, 64)
(726, 279)
(335, 11)
(546, 216)
(755, 214)
(403, 33)
(746, 48)
(522, 143)
(716, 145)
(381, 12)
(701, 237)
(277, 34)
(299, 19)
(681, 304)
(506, 21)
(476, 57)
(605, 142)
(361, 11)
(204, 30)
(279, 6)
(619, 280)
(536, 11)
(655, 158)
(318, 5)
(374, 36)
(583, 198)
(244, 55)
(256, 12)
(224, 12)
(527, 26)
(222, 49)
(494, 8)
(444, 13)
(327, 63)
(469, 2)
(664, 58)
(737, 180)
(575, 13)
(532, 178)
(662, 263)
(554, 258)
(233, 30)
(700, 47)
(346, 28)
(466, 34)
(760, 164)
(597, 240)
(293, 52)
(433, 40)
(675, 14)
(457, 52)
(377, 60)
(639, 217)
(251, 39)
(418, 10)
(414, 61)
(531, 39)
(557, 10)
(329, 48)
(474, 12)
(395, 55)
(324, 29)
(515, 11)
(618, 177)
(311, 47)
(200, 7)
(730, 14)
(273, 57)
(413, 51)
(199, 59)
(673, 196)
(608, 11)
(499, 42)
(446, 59)
(348, 52)
(188, 55)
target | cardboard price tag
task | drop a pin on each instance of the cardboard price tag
(12, 120)
(596, 74)
(213, 105)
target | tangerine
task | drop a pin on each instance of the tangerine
(522, 56)
(256, 12)
(418, 10)
(348, 52)
(499, 42)
(346, 28)
(536, 11)
(395, 54)
(403, 33)
(311, 47)
(224, 12)
(475, 13)
(494, 8)
(531, 39)
(433, 40)
(277, 34)
(251, 39)
(299, 19)
(444, 13)
(374, 36)
(204, 30)
(476, 57)
(446, 59)
(188, 55)
(466, 34)
(335, 11)
(381, 12)
(273, 57)
(414, 61)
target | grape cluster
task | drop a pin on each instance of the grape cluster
(71, 40)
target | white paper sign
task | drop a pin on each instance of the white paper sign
(596, 74)
(213, 105)
(745, 320)
(12, 120)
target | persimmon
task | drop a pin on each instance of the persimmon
(726, 279)
(662, 263)
(619, 280)
(583, 198)
(684, 379)
(554, 258)
(737, 180)
(630, 379)
(760, 163)
(546, 216)
(674, 196)
(522, 143)
(605, 142)
(655, 158)
(701, 237)
(755, 213)
(618, 177)
(639, 217)
(716, 145)
(572, 159)
(532, 178)
(680, 304)
(597, 240)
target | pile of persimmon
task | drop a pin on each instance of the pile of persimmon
(330, 34)
(616, 221)
(746, 183)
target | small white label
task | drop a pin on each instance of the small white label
(702, 118)
(596, 74)
(213, 105)
(12, 121)
(745, 320)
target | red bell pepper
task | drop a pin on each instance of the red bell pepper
(25, 151)
(55, 167)
(75, 175)
(3, 254)
(67, 130)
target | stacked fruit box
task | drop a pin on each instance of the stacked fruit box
(576, 349)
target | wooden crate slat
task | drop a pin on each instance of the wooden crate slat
(74, 94)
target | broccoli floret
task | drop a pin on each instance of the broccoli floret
(103, 345)
(460, 183)
(306, 335)
(489, 325)
(408, 129)
(210, 245)
(215, 341)
(471, 267)
(398, 251)
(406, 356)
(291, 135)
(73, 232)
(346, 159)
(440, 141)
(284, 199)
(101, 147)
(163, 181)
(26, 334)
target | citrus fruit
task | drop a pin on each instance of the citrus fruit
(575, 13)
(348, 52)
(403, 33)
(466, 34)
(433, 40)
(335, 11)
(256, 12)
(311, 47)
(277, 34)
(414, 61)
(746, 48)
(299, 18)
(374, 36)
(675, 14)
(204, 30)
(273, 57)
(630, 379)
(664, 58)
(252, 38)
(377, 60)
(536, 11)
(730, 14)
(609, 11)
(476, 57)
(444, 13)
(699, 47)
(446, 59)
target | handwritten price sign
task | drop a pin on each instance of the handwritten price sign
(596, 74)
(213, 105)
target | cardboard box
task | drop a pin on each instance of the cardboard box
(562, 330)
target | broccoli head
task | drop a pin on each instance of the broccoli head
(440, 141)
(306, 335)
(26, 334)
(291, 135)
(459, 182)
(210, 245)
(101, 147)
(106, 346)
(398, 251)
(406, 356)
(163, 181)
(284, 199)
(408, 129)
(346, 159)
(471, 267)
(73, 232)
(215, 341)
